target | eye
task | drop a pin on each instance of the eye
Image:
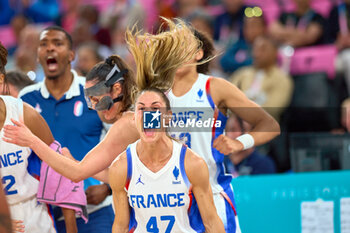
(155, 108)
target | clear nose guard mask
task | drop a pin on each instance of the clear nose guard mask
(101, 88)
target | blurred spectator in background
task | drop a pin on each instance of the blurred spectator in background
(183, 8)
(38, 11)
(18, 23)
(228, 26)
(25, 58)
(87, 56)
(300, 28)
(17, 80)
(69, 14)
(345, 116)
(264, 82)
(339, 34)
(246, 162)
(123, 14)
(91, 15)
(240, 53)
(202, 21)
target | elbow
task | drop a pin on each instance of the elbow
(77, 178)
(275, 127)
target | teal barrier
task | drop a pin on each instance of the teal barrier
(272, 203)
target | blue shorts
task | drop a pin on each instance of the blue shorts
(100, 221)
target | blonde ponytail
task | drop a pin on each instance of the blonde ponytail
(158, 56)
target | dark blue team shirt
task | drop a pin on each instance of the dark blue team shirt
(71, 122)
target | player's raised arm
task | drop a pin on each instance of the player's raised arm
(95, 161)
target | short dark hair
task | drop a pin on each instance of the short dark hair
(58, 28)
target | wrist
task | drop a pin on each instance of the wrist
(246, 140)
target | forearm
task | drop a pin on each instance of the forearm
(265, 130)
(61, 164)
(70, 220)
(215, 225)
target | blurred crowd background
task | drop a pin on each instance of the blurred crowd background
(290, 56)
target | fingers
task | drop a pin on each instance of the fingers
(65, 151)
(217, 141)
(17, 226)
(18, 123)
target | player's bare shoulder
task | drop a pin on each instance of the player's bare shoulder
(194, 164)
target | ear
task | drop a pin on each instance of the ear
(199, 55)
(117, 89)
(71, 56)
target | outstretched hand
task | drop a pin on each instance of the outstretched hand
(227, 145)
(18, 134)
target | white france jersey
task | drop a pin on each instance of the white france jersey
(161, 201)
(18, 184)
(199, 103)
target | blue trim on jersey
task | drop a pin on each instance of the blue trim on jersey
(182, 165)
(129, 160)
(34, 165)
(195, 217)
(132, 221)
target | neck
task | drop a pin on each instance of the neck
(155, 152)
(184, 83)
(59, 86)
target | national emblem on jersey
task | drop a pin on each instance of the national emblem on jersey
(176, 173)
(200, 95)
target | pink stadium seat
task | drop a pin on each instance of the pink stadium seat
(314, 59)
(7, 37)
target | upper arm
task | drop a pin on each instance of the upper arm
(36, 123)
(198, 175)
(117, 180)
(227, 95)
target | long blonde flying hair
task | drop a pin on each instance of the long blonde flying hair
(158, 56)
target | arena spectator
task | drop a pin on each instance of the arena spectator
(303, 27)
(88, 55)
(338, 26)
(228, 26)
(264, 82)
(240, 53)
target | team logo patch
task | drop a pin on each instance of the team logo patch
(200, 94)
(78, 108)
(151, 119)
(176, 173)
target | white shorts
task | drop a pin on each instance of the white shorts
(35, 216)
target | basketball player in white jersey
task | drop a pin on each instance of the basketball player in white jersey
(157, 177)
(21, 187)
(211, 97)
